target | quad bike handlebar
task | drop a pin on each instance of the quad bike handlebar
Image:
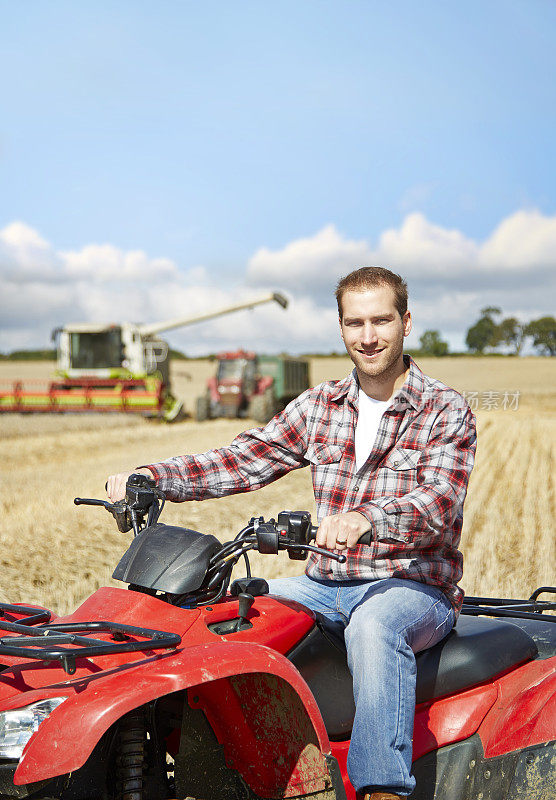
(291, 531)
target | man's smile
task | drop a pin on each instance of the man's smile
(370, 353)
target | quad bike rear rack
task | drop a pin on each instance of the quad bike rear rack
(59, 642)
(522, 609)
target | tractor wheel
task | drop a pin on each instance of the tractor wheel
(270, 401)
(261, 407)
(202, 408)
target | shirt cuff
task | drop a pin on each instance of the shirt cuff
(381, 528)
(376, 517)
(152, 468)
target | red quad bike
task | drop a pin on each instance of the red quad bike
(177, 688)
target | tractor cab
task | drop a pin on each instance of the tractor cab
(237, 369)
(234, 383)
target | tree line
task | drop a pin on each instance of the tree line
(488, 333)
(492, 331)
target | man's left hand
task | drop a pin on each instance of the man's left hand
(342, 531)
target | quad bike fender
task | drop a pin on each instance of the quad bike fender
(66, 738)
(525, 713)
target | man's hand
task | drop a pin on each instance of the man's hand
(342, 531)
(115, 485)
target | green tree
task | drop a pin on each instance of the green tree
(511, 332)
(483, 333)
(543, 331)
(430, 344)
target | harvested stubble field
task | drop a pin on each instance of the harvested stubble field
(55, 554)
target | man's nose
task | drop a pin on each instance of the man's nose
(369, 334)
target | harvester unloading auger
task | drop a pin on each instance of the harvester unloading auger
(122, 367)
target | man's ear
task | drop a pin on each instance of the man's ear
(406, 323)
(341, 329)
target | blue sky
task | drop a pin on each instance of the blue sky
(158, 157)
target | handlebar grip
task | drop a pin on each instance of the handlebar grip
(364, 539)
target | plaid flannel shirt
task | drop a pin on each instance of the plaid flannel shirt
(411, 488)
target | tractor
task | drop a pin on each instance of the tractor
(247, 385)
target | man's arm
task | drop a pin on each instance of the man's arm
(255, 458)
(443, 473)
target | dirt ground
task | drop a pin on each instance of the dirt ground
(54, 553)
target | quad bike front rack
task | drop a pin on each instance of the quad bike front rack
(60, 642)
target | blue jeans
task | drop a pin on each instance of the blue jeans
(384, 622)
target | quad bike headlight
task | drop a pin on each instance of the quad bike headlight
(18, 725)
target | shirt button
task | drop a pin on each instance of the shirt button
(396, 463)
(356, 488)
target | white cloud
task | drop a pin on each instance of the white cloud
(419, 248)
(104, 263)
(524, 241)
(451, 277)
(304, 263)
(26, 256)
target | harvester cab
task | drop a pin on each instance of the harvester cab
(114, 367)
(110, 351)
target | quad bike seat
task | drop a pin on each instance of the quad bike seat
(478, 649)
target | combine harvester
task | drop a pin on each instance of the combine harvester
(123, 367)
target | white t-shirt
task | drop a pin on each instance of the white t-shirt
(368, 420)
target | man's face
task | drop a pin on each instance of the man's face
(373, 331)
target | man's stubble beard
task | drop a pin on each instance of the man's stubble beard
(382, 372)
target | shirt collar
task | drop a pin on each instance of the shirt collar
(410, 393)
(414, 387)
(348, 387)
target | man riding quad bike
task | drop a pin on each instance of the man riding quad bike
(188, 685)
(390, 451)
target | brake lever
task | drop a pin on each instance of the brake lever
(119, 511)
(341, 559)
(87, 501)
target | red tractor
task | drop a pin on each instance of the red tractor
(246, 385)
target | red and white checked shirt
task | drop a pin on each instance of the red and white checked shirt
(411, 488)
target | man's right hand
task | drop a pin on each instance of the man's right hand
(115, 485)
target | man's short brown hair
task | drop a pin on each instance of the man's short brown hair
(371, 278)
